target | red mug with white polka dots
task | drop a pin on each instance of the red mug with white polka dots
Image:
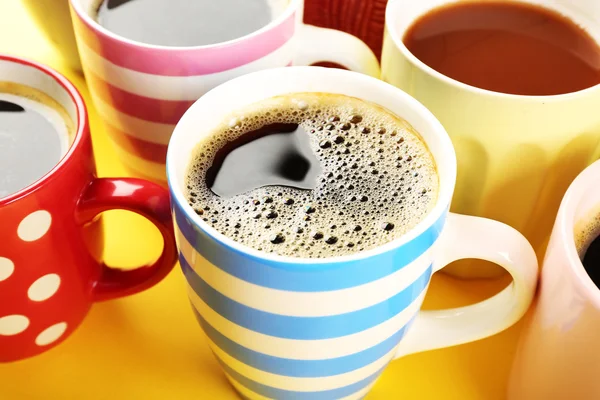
(51, 236)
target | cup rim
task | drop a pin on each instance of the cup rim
(82, 124)
(399, 44)
(446, 189)
(292, 7)
(566, 220)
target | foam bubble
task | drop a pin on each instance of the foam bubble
(373, 164)
(586, 232)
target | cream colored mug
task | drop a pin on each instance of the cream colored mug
(516, 154)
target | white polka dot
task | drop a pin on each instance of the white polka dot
(13, 324)
(6, 268)
(34, 226)
(44, 288)
(51, 335)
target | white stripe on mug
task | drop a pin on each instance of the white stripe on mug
(321, 349)
(303, 304)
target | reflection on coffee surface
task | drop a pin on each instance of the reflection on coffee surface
(507, 46)
(312, 175)
(35, 133)
(185, 22)
(587, 241)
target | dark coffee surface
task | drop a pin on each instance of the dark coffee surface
(591, 261)
(507, 47)
(312, 175)
(34, 136)
(183, 22)
(587, 240)
(276, 154)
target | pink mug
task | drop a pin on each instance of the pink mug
(142, 90)
(559, 353)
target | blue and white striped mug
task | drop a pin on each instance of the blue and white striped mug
(291, 328)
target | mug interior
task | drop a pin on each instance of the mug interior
(581, 204)
(42, 78)
(209, 112)
(281, 9)
(401, 14)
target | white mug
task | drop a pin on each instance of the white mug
(294, 328)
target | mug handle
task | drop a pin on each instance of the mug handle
(485, 239)
(329, 45)
(141, 197)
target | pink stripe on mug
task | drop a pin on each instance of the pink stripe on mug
(183, 61)
(147, 150)
(147, 108)
(143, 89)
(559, 353)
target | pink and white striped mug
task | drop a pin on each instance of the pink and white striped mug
(142, 90)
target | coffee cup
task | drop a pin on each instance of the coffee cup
(517, 154)
(141, 90)
(364, 19)
(558, 355)
(51, 241)
(285, 327)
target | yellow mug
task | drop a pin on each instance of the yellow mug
(54, 18)
(516, 154)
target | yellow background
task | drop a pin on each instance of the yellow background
(148, 346)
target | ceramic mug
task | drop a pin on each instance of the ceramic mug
(516, 155)
(286, 327)
(364, 19)
(51, 236)
(141, 90)
(54, 18)
(559, 353)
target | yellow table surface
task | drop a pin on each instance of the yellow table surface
(149, 346)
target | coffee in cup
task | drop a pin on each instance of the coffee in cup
(36, 132)
(184, 22)
(312, 175)
(506, 46)
(587, 242)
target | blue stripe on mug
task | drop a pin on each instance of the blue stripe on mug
(301, 368)
(276, 393)
(304, 328)
(317, 277)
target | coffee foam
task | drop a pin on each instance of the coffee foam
(586, 232)
(378, 180)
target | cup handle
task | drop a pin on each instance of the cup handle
(144, 198)
(329, 45)
(473, 237)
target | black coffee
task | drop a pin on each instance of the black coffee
(35, 133)
(588, 247)
(276, 154)
(312, 175)
(186, 22)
